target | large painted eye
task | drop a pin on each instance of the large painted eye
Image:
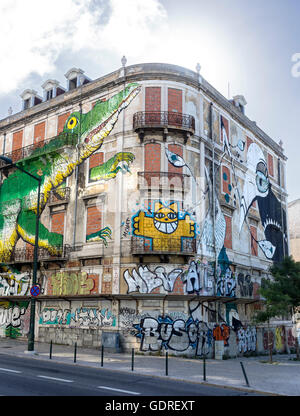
(172, 215)
(72, 123)
(262, 180)
(159, 215)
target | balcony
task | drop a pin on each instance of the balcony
(25, 255)
(163, 120)
(40, 148)
(59, 196)
(163, 180)
(157, 246)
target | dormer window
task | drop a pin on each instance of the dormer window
(30, 98)
(76, 78)
(52, 89)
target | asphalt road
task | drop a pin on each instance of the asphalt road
(33, 377)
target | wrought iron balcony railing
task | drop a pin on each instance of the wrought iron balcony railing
(59, 195)
(163, 119)
(54, 143)
(26, 254)
(163, 179)
(167, 245)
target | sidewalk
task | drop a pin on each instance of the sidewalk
(280, 378)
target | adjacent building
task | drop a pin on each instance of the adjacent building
(162, 208)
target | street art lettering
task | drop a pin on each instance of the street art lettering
(166, 226)
(71, 283)
(226, 280)
(83, 134)
(221, 333)
(268, 339)
(199, 278)
(177, 335)
(245, 285)
(144, 281)
(246, 339)
(78, 317)
(12, 316)
(279, 338)
(13, 284)
(126, 228)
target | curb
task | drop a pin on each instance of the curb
(89, 365)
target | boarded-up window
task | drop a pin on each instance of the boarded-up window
(226, 183)
(93, 220)
(249, 141)
(224, 129)
(175, 180)
(17, 144)
(153, 105)
(270, 165)
(61, 122)
(228, 233)
(95, 160)
(174, 100)
(58, 222)
(39, 134)
(254, 247)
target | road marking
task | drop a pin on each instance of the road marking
(11, 371)
(57, 379)
(119, 390)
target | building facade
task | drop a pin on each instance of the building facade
(162, 208)
(294, 228)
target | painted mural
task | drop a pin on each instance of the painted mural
(120, 162)
(14, 318)
(166, 227)
(72, 283)
(78, 317)
(84, 134)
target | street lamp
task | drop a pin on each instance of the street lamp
(10, 164)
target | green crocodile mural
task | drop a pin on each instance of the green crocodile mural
(83, 134)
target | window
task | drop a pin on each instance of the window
(228, 232)
(49, 95)
(93, 223)
(58, 222)
(95, 160)
(26, 104)
(253, 242)
(72, 84)
(61, 122)
(39, 134)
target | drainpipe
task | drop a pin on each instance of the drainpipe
(281, 209)
(213, 201)
(123, 61)
(76, 180)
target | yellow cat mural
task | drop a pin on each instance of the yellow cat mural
(167, 227)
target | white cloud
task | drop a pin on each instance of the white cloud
(34, 32)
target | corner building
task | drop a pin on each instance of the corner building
(162, 208)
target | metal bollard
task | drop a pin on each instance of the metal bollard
(245, 375)
(50, 353)
(204, 368)
(167, 364)
(102, 355)
(75, 351)
(132, 359)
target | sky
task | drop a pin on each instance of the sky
(244, 47)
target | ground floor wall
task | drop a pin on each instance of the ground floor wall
(150, 326)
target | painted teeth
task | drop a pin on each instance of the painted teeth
(269, 221)
(167, 228)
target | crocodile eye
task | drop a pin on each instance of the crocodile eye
(72, 123)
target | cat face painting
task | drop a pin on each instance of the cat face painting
(166, 218)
